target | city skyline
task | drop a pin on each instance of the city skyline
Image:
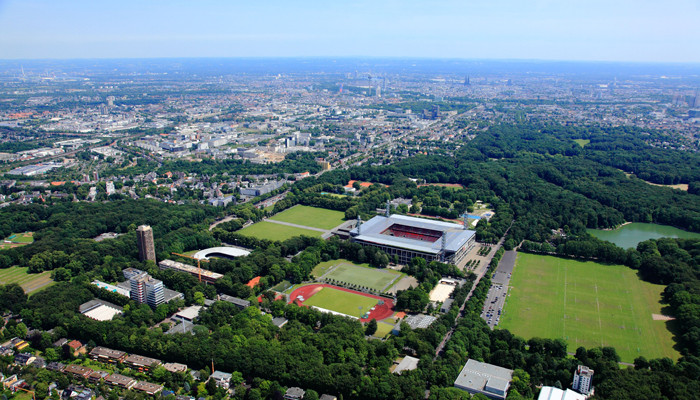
(596, 31)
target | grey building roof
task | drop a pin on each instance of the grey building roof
(407, 364)
(489, 379)
(371, 231)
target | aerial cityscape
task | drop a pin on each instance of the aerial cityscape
(281, 220)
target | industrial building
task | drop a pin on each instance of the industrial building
(488, 379)
(409, 237)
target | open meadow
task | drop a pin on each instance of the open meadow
(29, 282)
(272, 231)
(587, 304)
(313, 217)
(358, 274)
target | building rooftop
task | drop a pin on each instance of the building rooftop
(100, 310)
(170, 264)
(407, 364)
(175, 367)
(552, 393)
(189, 313)
(484, 378)
(141, 360)
(150, 388)
(226, 251)
(376, 230)
(107, 353)
(117, 379)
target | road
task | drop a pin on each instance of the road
(480, 274)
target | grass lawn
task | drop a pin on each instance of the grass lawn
(311, 216)
(364, 275)
(587, 304)
(383, 329)
(272, 231)
(582, 142)
(340, 301)
(282, 286)
(29, 282)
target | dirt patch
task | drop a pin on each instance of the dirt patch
(661, 317)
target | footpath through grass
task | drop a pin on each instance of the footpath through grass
(587, 304)
(272, 231)
(314, 217)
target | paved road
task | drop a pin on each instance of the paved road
(480, 274)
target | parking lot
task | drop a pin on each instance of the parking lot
(496, 298)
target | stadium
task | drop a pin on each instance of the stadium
(409, 237)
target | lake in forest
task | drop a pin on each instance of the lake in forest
(631, 234)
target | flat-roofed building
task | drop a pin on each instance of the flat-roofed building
(552, 393)
(78, 371)
(148, 387)
(107, 355)
(488, 379)
(206, 275)
(175, 367)
(410, 237)
(240, 303)
(121, 381)
(140, 362)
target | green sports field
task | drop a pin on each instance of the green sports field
(272, 231)
(29, 282)
(363, 275)
(311, 216)
(587, 304)
(17, 239)
(340, 301)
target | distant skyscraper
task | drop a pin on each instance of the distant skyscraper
(147, 249)
(466, 81)
(583, 378)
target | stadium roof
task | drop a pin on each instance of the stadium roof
(371, 231)
(226, 251)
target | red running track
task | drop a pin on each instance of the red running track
(380, 312)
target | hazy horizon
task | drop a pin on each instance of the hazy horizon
(597, 31)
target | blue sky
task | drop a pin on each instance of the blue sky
(612, 30)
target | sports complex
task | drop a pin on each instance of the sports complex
(354, 290)
(343, 301)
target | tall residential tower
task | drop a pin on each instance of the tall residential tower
(147, 249)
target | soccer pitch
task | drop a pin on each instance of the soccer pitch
(341, 301)
(345, 271)
(587, 304)
(314, 217)
(272, 231)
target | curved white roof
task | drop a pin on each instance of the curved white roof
(227, 251)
